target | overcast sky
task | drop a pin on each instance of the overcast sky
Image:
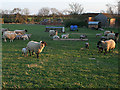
(34, 5)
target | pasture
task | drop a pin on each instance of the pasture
(62, 64)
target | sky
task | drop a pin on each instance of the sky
(91, 6)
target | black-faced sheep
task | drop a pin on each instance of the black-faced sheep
(106, 45)
(10, 35)
(114, 36)
(36, 47)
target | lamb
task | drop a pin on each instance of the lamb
(25, 37)
(99, 34)
(83, 36)
(87, 45)
(36, 47)
(19, 35)
(29, 35)
(24, 51)
(106, 45)
(65, 35)
(21, 31)
(51, 32)
(9, 34)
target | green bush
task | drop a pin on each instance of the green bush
(77, 22)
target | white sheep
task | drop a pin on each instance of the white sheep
(56, 36)
(24, 51)
(36, 47)
(107, 32)
(52, 33)
(10, 35)
(65, 35)
(98, 34)
(21, 31)
(111, 36)
(87, 45)
(106, 45)
(25, 37)
(83, 36)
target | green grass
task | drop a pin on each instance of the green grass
(62, 64)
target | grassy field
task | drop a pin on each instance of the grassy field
(62, 64)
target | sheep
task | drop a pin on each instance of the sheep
(106, 32)
(111, 36)
(65, 35)
(9, 34)
(56, 36)
(36, 47)
(19, 35)
(29, 35)
(25, 37)
(21, 31)
(114, 36)
(51, 32)
(106, 45)
(83, 36)
(24, 51)
(87, 45)
(99, 34)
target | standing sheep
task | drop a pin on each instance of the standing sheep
(9, 34)
(65, 35)
(106, 45)
(36, 47)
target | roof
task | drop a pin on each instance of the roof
(93, 22)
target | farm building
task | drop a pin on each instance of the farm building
(94, 24)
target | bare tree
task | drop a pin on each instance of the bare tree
(75, 8)
(44, 11)
(25, 11)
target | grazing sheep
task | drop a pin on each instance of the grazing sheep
(83, 36)
(101, 29)
(87, 45)
(107, 32)
(21, 31)
(25, 37)
(3, 30)
(65, 35)
(99, 34)
(24, 51)
(36, 47)
(106, 45)
(51, 32)
(10, 35)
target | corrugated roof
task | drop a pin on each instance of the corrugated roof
(93, 22)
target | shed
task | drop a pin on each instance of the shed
(94, 24)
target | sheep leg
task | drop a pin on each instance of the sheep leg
(37, 55)
(29, 52)
(105, 52)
